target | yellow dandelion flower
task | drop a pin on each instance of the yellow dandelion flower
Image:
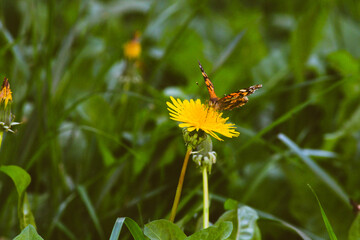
(5, 93)
(132, 49)
(194, 115)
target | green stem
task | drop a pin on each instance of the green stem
(179, 186)
(1, 137)
(205, 197)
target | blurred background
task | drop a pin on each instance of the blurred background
(97, 140)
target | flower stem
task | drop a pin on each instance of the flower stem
(205, 197)
(179, 186)
(1, 137)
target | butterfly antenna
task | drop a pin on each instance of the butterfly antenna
(200, 66)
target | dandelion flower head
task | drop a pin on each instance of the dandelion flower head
(194, 115)
(132, 49)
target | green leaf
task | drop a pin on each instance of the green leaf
(164, 230)
(107, 156)
(25, 214)
(29, 233)
(133, 227)
(217, 232)
(21, 180)
(245, 221)
(231, 204)
(354, 232)
(344, 63)
(326, 220)
(19, 176)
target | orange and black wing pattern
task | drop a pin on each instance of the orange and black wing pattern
(209, 85)
(236, 99)
(230, 101)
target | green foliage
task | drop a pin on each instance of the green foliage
(244, 220)
(354, 232)
(21, 180)
(29, 233)
(131, 225)
(326, 220)
(164, 230)
(96, 137)
(19, 176)
(219, 231)
(320, 173)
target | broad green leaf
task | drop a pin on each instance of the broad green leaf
(244, 220)
(326, 220)
(354, 232)
(133, 227)
(107, 156)
(217, 232)
(29, 233)
(21, 180)
(19, 176)
(230, 204)
(344, 63)
(163, 230)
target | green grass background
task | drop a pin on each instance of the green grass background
(96, 137)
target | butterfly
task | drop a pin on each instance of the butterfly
(230, 101)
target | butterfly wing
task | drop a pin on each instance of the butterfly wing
(236, 99)
(209, 85)
(230, 101)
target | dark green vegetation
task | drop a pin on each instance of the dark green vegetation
(97, 141)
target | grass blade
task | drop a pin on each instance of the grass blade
(288, 115)
(266, 216)
(85, 198)
(228, 51)
(326, 220)
(133, 227)
(115, 233)
(326, 178)
(65, 230)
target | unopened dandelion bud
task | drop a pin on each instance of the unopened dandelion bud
(205, 156)
(6, 117)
